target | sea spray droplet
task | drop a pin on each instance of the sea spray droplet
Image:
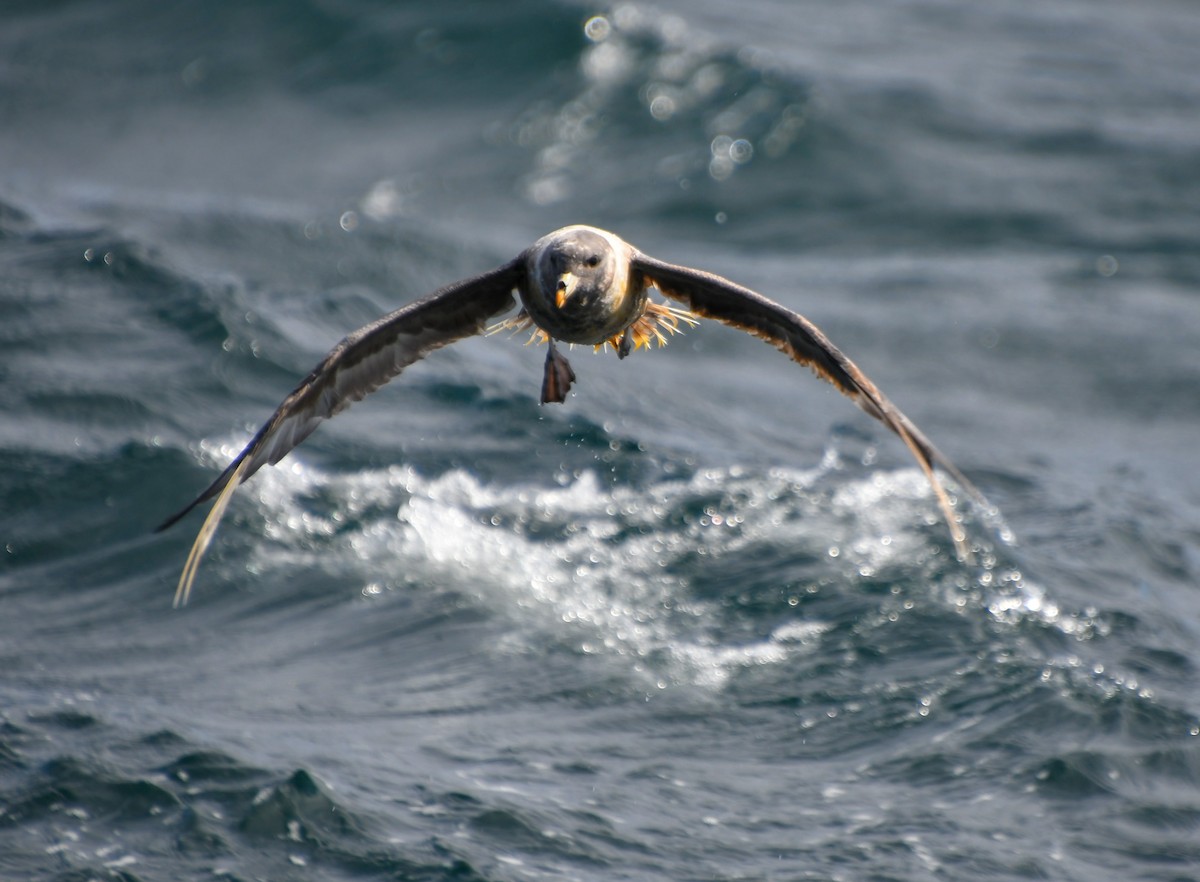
(597, 28)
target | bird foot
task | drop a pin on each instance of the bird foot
(558, 377)
(626, 345)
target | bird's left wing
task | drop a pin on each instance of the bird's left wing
(714, 297)
(357, 366)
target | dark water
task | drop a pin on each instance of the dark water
(701, 622)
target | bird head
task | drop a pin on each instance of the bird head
(579, 287)
(575, 267)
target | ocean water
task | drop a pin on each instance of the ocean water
(703, 621)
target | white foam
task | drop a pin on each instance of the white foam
(602, 568)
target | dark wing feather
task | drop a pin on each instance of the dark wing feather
(357, 366)
(717, 298)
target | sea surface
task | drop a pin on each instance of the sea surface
(703, 621)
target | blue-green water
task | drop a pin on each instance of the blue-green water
(702, 621)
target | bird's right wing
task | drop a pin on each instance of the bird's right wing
(357, 366)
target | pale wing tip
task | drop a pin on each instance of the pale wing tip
(962, 548)
(182, 591)
(208, 529)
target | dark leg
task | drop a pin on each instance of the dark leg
(626, 345)
(558, 377)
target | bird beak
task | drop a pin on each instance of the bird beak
(566, 287)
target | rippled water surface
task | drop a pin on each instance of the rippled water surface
(701, 622)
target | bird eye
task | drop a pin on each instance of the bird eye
(593, 261)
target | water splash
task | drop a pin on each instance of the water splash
(654, 575)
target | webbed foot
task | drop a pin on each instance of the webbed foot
(556, 382)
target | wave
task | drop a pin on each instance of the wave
(684, 580)
(104, 814)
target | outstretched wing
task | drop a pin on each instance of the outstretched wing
(357, 366)
(713, 297)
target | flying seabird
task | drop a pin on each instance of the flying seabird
(579, 284)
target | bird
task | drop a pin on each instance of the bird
(577, 285)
